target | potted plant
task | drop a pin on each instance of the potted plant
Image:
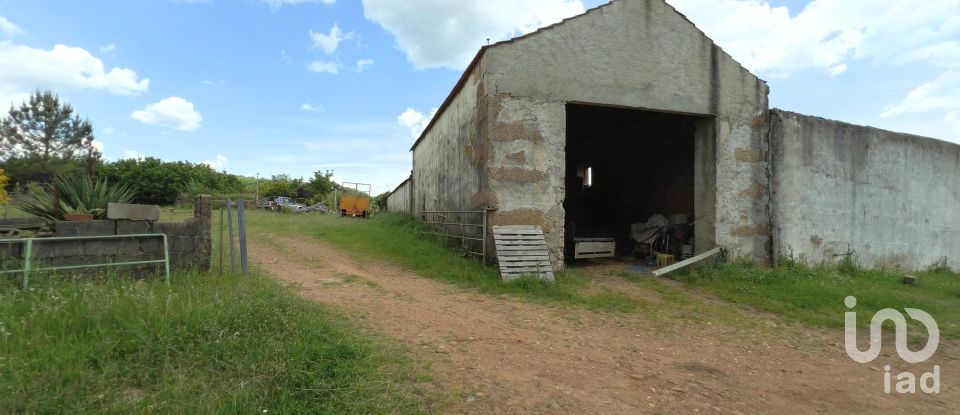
(77, 216)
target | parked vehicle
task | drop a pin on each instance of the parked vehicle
(280, 203)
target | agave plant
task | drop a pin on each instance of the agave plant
(77, 194)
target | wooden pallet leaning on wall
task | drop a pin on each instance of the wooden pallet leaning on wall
(521, 250)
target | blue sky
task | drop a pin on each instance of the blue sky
(293, 86)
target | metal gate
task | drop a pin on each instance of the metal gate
(465, 229)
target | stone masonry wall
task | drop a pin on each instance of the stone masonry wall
(189, 244)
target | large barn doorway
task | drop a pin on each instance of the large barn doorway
(637, 181)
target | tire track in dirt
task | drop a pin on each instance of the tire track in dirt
(506, 355)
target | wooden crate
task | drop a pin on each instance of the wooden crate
(594, 248)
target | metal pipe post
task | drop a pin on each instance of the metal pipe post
(233, 256)
(26, 264)
(484, 243)
(166, 258)
(221, 242)
(242, 229)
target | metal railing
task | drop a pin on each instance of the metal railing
(443, 222)
(28, 254)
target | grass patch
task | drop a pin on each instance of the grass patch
(202, 345)
(814, 294)
(395, 238)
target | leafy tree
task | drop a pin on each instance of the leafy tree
(321, 183)
(281, 185)
(4, 197)
(159, 182)
(46, 132)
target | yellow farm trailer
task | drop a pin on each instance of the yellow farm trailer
(355, 202)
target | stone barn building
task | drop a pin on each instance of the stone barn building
(628, 110)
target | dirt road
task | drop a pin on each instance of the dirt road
(506, 355)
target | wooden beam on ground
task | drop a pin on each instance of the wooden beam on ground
(684, 263)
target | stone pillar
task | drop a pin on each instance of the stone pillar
(202, 207)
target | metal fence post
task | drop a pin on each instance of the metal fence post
(26, 264)
(484, 237)
(220, 243)
(233, 256)
(166, 258)
(242, 229)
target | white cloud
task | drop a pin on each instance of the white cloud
(108, 48)
(23, 69)
(311, 108)
(108, 130)
(11, 100)
(942, 95)
(415, 120)
(448, 33)
(97, 145)
(838, 69)
(828, 33)
(276, 4)
(173, 112)
(8, 29)
(329, 42)
(324, 67)
(218, 164)
(364, 64)
(132, 155)
(209, 82)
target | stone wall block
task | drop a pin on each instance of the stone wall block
(133, 212)
(85, 228)
(183, 244)
(133, 227)
(50, 249)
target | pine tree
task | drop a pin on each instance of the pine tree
(45, 130)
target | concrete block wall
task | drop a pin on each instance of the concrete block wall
(893, 199)
(188, 243)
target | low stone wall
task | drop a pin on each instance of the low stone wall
(189, 243)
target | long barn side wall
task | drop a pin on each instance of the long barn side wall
(891, 199)
(399, 200)
(447, 159)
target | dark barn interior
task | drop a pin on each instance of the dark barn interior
(624, 166)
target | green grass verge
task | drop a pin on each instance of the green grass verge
(814, 294)
(203, 345)
(395, 238)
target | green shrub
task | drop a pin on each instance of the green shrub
(74, 194)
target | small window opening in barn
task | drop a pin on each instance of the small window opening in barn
(585, 173)
(644, 203)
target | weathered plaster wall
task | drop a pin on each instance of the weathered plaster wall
(893, 199)
(526, 165)
(447, 173)
(639, 54)
(399, 200)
